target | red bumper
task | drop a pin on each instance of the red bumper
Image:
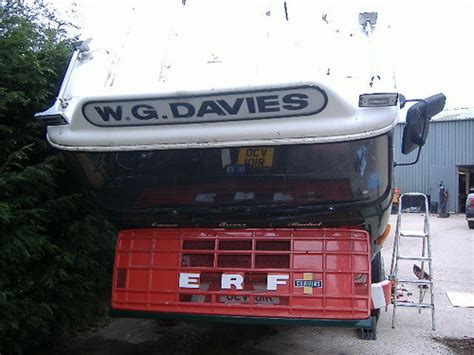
(285, 273)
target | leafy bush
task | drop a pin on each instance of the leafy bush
(56, 251)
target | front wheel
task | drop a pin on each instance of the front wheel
(394, 209)
(378, 269)
(470, 224)
(369, 333)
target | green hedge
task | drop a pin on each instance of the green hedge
(56, 250)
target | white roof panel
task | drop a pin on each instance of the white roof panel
(212, 48)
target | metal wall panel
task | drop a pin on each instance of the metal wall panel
(449, 144)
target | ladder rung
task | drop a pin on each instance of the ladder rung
(420, 258)
(414, 305)
(414, 234)
(417, 282)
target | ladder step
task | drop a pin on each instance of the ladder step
(420, 258)
(416, 282)
(413, 234)
(413, 305)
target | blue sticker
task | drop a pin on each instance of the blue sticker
(373, 182)
(363, 163)
(236, 170)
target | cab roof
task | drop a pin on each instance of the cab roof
(185, 48)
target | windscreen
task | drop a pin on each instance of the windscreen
(273, 176)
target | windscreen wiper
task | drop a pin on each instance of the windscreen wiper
(334, 203)
(239, 209)
(222, 209)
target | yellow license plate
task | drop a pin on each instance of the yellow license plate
(256, 157)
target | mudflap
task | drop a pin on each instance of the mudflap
(369, 333)
(377, 275)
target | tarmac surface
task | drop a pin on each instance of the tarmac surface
(453, 250)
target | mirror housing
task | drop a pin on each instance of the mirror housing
(417, 121)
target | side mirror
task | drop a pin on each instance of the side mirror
(418, 117)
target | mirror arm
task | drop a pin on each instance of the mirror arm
(395, 164)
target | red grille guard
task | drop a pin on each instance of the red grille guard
(285, 273)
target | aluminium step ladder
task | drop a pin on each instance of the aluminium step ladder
(424, 279)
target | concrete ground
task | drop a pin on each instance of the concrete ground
(453, 250)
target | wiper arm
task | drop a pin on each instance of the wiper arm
(334, 204)
(269, 209)
(170, 209)
(221, 209)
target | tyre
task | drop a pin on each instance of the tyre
(378, 269)
(470, 224)
(394, 209)
(369, 333)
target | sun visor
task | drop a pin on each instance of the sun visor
(290, 114)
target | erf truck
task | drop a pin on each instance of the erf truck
(244, 152)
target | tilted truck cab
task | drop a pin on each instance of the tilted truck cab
(250, 182)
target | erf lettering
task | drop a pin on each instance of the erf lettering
(231, 281)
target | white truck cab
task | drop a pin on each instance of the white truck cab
(245, 152)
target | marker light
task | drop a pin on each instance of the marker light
(52, 120)
(378, 100)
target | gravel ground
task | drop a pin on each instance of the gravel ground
(453, 247)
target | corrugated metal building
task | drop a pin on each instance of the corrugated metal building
(447, 157)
